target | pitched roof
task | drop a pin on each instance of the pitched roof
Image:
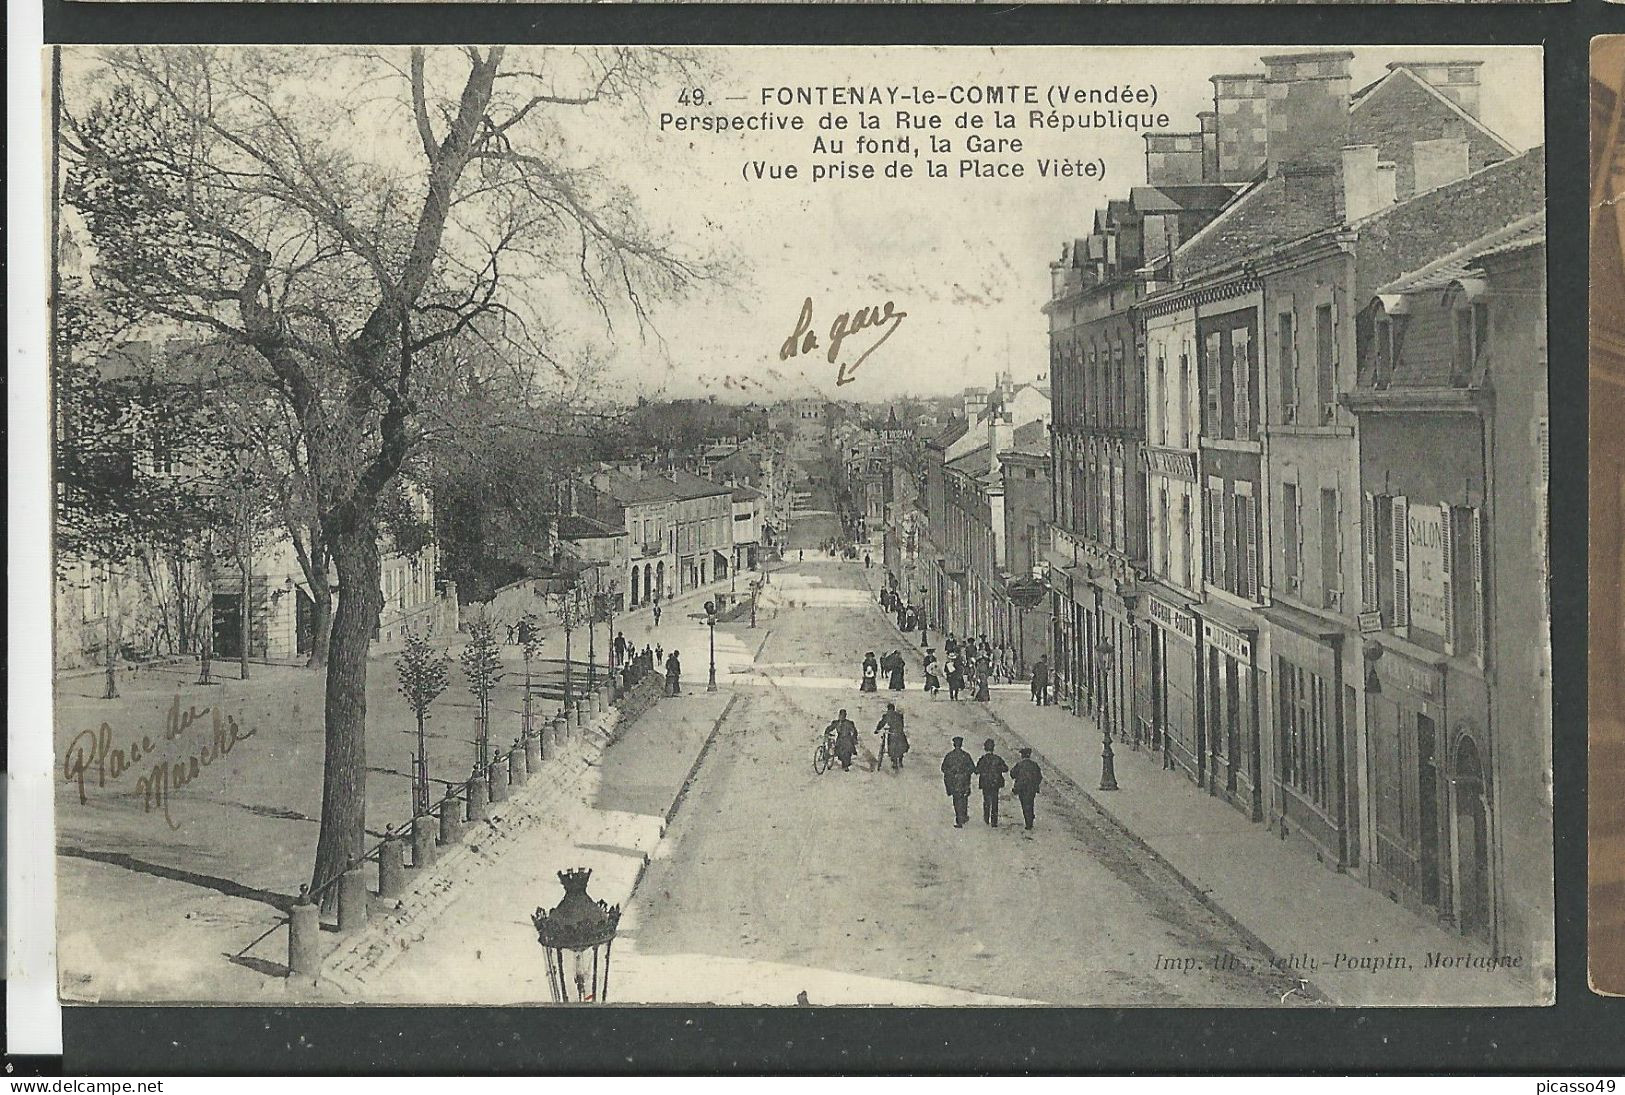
(688, 485)
(746, 494)
(578, 526)
(974, 462)
(1457, 265)
(1173, 199)
(1272, 211)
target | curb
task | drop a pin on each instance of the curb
(1316, 994)
(682, 792)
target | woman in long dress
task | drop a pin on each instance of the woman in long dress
(933, 684)
(871, 670)
(896, 671)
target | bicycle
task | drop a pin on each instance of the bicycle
(824, 755)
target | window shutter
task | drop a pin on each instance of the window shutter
(1402, 584)
(1213, 426)
(1241, 380)
(1208, 524)
(1250, 505)
(1447, 554)
(1368, 547)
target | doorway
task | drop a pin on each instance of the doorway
(1472, 843)
(1427, 774)
(227, 625)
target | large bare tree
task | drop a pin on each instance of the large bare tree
(381, 232)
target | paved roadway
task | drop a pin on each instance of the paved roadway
(860, 879)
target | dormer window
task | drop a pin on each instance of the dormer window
(1472, 336)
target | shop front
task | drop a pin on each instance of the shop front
(1230, 708)
(1175, 699)
(1433, 814)
(1313, 739)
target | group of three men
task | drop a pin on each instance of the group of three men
(989, 770)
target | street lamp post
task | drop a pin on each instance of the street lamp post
(1108, 767)
(575, 927)
(925, 627)
(711, 623)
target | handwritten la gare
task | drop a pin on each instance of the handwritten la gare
(92, 755)
(802, 340)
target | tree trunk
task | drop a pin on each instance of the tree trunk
(321, 624)
(246, 569)
(343, 827)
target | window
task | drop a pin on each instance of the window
(1291, 537)
(1181, 407)
(1187, 550)
(1287, 338)
(1472, 333)
(1160, 544)
(1325, 362)
(1331, 551)
(1159, 398)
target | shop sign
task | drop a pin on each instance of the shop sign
(1424, 534)
(1174, 619)
(1419, 679)
(1228, 641)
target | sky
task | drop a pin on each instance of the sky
(964, 261)
(967, 259)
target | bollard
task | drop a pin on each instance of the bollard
(496, 778)
(304, 936)
(533, 750)
(561, 731)
(516, 766)
(476, 800)
(422, 841)
(352, 898)
(451, 819)
(391, 867)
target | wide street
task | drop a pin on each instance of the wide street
(862, 874)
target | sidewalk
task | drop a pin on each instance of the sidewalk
(1349, 942)
(469, 939)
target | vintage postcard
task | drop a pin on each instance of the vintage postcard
(821, 526)
(1607, 520)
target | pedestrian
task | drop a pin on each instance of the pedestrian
(866, 560)
(674, 675)
(657, 613)
(846, 739)
(933, 684)
(871, 670)
(990, 770)
(895, 681)
(957, 768)
(956, 677)
(1041, 681)
(1025, 778)
(984, 668)
(620, 648)
(893, 741)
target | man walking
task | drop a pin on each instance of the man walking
(1025, 778)
(1041, 681)
(957, 768)
(990, 770)
(674, 675)
(846, 739)
(893, 742)
(620, 648)
(657, 613)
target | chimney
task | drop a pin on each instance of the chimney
(1000, 436)
(1308, 114)
(1210, 145)
(1173, 159)
(1240, 127)
(1438, 162)
(1455, 80)
(1368, 186)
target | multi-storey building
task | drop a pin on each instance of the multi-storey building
(1452, 410)
(1251, 662)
